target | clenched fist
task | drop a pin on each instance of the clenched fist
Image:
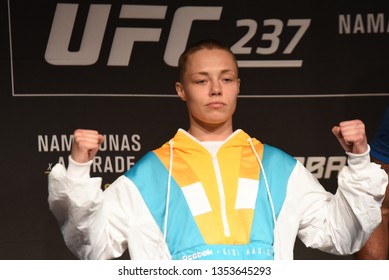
(352, 136)
(86, 144)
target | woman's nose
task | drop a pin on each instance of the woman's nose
(215, 89)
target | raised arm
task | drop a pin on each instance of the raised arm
(76, 200)
(338, 223)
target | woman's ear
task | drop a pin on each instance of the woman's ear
(180, 91)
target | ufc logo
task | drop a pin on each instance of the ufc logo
(57, 50)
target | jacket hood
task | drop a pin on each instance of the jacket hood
(184, 141)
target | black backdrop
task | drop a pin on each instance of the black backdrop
(328, 63)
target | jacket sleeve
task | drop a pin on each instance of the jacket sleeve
(339, 223)
(100, 224)
(80, 207)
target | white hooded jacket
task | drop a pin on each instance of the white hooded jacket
(245, 201)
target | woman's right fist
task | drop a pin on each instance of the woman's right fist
(86, 144)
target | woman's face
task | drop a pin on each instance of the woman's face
(210, 87)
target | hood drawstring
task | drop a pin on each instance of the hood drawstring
(270, 198)
(168, 191)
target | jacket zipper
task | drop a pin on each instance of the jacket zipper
(223, 208)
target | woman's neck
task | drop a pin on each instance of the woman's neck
(210, 133)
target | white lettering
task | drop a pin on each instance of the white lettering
(117, 164)
(120, 143)
(136, 146)
(96, 166)
(113, 142)
(273, 37)
(57, 49)
(375, 25)
(61, 160)
(181, 26)
(334, 164)
(125, 38)
(108, 165)
(344, 24)
(361, 24)
(125, 145)
(358, 25)
(323, 167)
(50, 143)
(197, 255)
(43, 143)
(316, 166)
(54, 144)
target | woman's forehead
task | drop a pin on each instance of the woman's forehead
(205, 58)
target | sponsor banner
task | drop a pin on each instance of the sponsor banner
(108, 65)
(117, 154)
(114, 48)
